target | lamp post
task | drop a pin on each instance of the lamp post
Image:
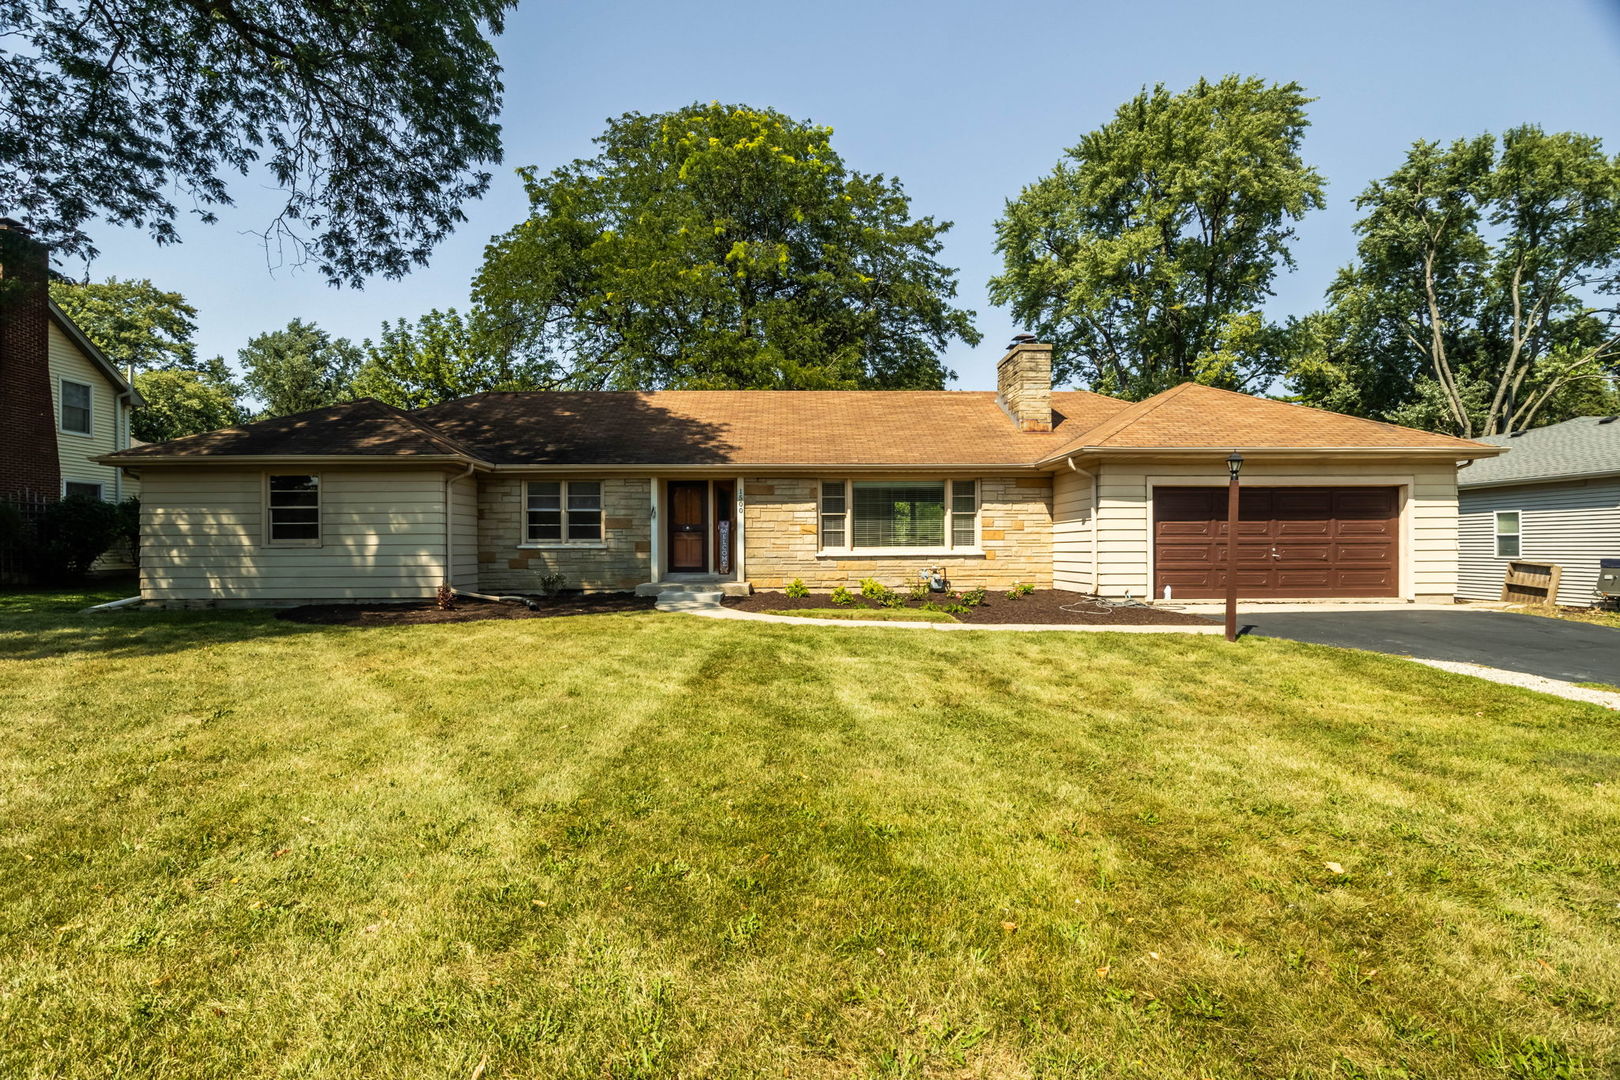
(1234, 465)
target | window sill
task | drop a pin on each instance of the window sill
(565, 545)
(873, 553)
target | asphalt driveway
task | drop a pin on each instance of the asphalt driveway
(1551, 648)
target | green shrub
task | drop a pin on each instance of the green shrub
(551, 584)
(1019, 590)
(842, 597)
(69, 536)
(873, 589)
(972, 597)
(919, 592)
(129, 528)
(797, 589)
(13, 529)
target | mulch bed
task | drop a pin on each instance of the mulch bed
(465, 610)
(1046, 607)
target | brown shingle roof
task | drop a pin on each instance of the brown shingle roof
(811, 428)
(366, 428)
(757, 427)
(1192, 416)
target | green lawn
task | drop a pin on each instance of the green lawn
(659, 846)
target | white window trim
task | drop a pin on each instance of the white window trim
(1497, 534)
(89, 412)
(101, 488)
(850, 552)
(320, 512)
(563, 542)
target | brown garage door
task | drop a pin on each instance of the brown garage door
(1292, 541)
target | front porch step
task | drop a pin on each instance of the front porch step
(688, 597)
(722, 588)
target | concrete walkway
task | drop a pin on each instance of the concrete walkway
(1555, 687)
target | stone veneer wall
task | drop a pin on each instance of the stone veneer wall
(780, 539)
(621, 562)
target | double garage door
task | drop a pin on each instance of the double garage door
(1292, 541)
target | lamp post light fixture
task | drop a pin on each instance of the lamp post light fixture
(1234, 465)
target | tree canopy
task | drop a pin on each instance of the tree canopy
(720, 246)
(440, 357)
(1147, 253)
(134, 323)
(1483, 295)
(182, 401)
(299, 367)
(374, 122)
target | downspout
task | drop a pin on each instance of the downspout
(1096, 584)
(450, 526)
(121, 422)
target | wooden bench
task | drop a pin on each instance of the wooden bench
(1531, 583)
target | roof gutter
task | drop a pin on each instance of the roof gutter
(137, 460)
(1526, 481)
(1442, 452)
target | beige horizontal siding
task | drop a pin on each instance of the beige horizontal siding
(1074, 533)
(203, 538)
(464, 533)
(109, 419)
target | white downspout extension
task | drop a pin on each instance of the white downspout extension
(450, 526)
(1096, 585)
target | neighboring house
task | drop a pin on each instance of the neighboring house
(62, 403)
(615, 491)
(1554, 498)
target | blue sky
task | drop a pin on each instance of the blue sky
(964, 102)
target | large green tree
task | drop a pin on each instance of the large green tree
(1146, 256)
(372, 120)
(441, 356)
(721, 246)
(299, 367)
(1483, 298)
(186, 401)
(136, 324)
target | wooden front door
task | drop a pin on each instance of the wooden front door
(688, 526)
(1292, 542)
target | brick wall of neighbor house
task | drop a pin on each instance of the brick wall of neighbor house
(28, 460)
(622, 561)
(780, 539)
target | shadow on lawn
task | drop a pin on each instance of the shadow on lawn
(48, 633)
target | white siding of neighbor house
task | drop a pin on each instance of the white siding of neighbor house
(1428, 517)
(109, 420)
(203, 537)
(1572, 524)
(1074, 537)
(464, 533)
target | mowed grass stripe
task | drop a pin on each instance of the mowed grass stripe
(660, 846)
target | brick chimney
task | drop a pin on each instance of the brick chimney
(1024, 383)
(28, 461)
